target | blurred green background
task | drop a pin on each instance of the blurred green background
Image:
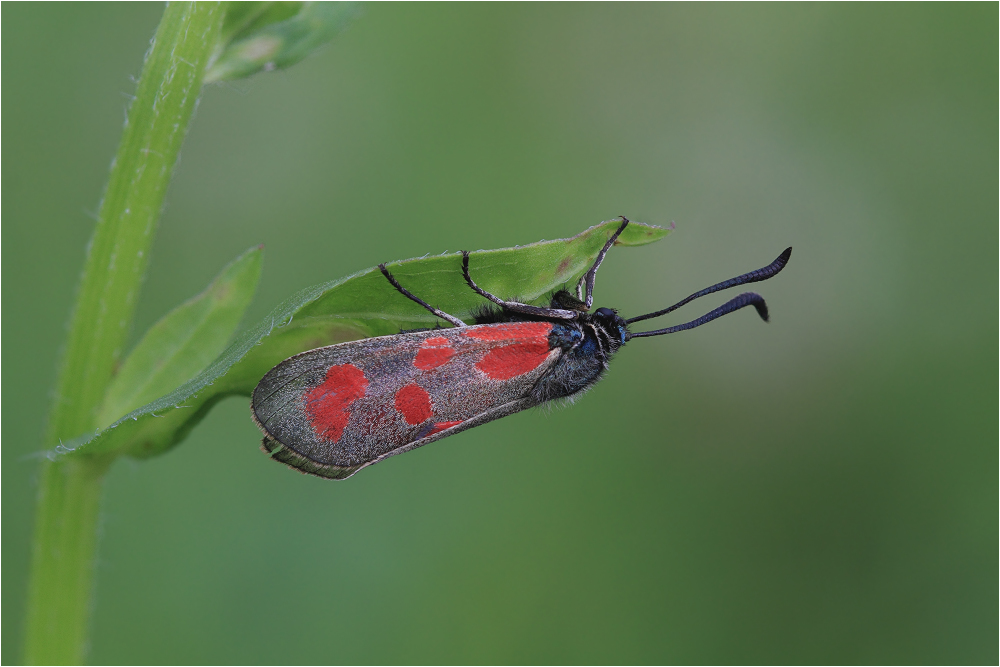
(820, 489)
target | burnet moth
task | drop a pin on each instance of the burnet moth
(335, 410)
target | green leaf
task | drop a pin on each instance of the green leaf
(185, 340)
(273, 35)
(357, 306)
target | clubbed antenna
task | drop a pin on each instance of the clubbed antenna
(768, 271)
(742, 301)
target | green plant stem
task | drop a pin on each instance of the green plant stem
(62, 562)
(69, 488)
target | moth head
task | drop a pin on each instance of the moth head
(609, 320)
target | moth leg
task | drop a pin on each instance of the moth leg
(514, 306)
(437, 327)
(402, 290)
(588, 278)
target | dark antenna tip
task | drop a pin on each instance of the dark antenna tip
(784, 256)
(761, 308)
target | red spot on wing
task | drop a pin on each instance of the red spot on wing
(440, 426)
(328, 405)
(503, 363)
(414, 404)
(511, 331)
(433, 352)
(527, 349)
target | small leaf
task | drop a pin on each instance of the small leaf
(273, 35)
(357, 306)
(185, 340)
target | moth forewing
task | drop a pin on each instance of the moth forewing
(342, 407)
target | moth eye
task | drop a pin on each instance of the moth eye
(605, 312)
